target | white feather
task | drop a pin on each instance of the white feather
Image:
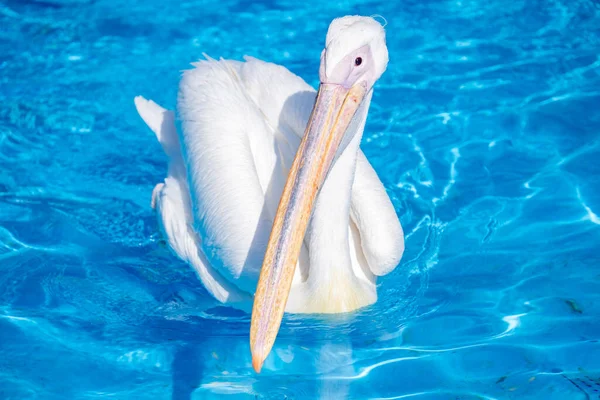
(173, 209)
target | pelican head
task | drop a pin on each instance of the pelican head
(355, 53)
(354, 58)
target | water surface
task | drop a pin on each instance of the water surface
(485, 130)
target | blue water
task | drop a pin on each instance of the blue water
(485, 129)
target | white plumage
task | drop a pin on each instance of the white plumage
(238, 127)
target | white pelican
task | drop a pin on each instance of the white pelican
(267, 191)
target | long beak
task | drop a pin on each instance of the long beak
(333, 110)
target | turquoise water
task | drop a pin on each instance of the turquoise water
(485, 129)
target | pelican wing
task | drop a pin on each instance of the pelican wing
(171, 200)
(237, 153)
(381, 234)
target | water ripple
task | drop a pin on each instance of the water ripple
(484, 130)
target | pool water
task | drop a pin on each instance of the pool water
(485, 129)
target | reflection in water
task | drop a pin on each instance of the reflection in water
(336, 359)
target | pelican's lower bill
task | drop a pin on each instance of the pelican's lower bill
(334, 109)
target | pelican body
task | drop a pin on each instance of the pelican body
(268, 195)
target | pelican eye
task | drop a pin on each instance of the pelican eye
(358, 61)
